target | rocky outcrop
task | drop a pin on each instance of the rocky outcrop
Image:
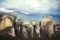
(6, 23)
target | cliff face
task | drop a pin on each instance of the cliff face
(6, 23)
(47, 24)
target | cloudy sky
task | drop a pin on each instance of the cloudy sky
(42, 6)
(32, 6)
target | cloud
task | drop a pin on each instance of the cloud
(41, 6)
(5, 10)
